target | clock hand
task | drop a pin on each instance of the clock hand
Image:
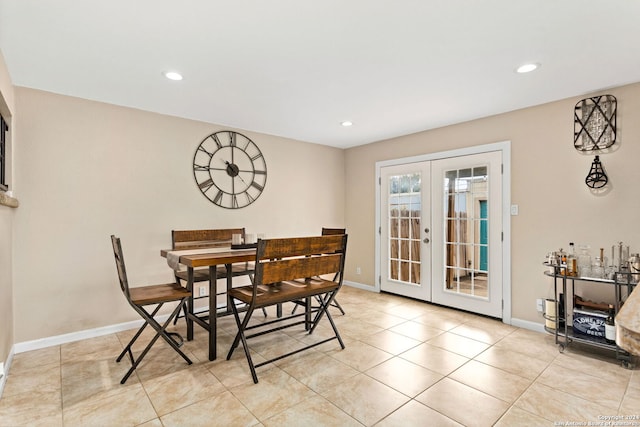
(237, 172)
(233, 171)
(203, 168)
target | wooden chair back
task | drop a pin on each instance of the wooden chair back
(326, 231)
(196, 239)
(333, 231)
(122, 271)
(279, 260)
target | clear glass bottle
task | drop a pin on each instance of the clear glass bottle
(584, 261)
(603, 260)
(597, 270)
(572, 261)
(610, 326)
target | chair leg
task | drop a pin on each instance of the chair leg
(184, 304)
(337, 305)
(239, 323)
(324, 309)
(160, 332)
(240, 337)
(264, 310)
(335, 301)
(307, 314)
(127, 349)
(295, 306)
(184, 310)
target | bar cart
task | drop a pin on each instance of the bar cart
(622, 284)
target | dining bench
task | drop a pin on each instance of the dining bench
(290, 270)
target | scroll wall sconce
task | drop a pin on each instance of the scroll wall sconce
(594, 130)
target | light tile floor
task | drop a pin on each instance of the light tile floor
(405, 363)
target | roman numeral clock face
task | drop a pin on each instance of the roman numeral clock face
(229, 169)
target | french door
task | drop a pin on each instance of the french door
(406, 218)
(441, 231)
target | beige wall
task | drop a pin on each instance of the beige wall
(6, 289)
(6, 227)
(548, 174)
(85, 170)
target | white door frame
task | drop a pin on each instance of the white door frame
(505, 148)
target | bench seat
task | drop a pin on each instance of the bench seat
(290, 270)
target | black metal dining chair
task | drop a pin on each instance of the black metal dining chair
(141, 297)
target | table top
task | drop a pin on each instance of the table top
(214, 258)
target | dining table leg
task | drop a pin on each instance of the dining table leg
(229, 286)
(213, 313)
(190, 304)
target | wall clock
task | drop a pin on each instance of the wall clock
(229, 169)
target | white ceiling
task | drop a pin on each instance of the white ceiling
(297, 68)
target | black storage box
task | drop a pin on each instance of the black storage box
(589, 322)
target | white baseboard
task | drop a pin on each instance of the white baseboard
(359, 286)
(76, 336)
(88, 333)
(526, 324)
(5, 370)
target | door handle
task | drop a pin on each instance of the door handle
(426, 230)
(426, 240)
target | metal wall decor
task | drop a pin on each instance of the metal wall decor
(597, 178)
(594, 123)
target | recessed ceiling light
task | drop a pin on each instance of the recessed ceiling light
(346, 123)
(173, 75)
(527, 68)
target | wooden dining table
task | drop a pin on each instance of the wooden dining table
(211, 260)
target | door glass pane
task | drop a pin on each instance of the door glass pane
(466, 230)
(404, 227)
